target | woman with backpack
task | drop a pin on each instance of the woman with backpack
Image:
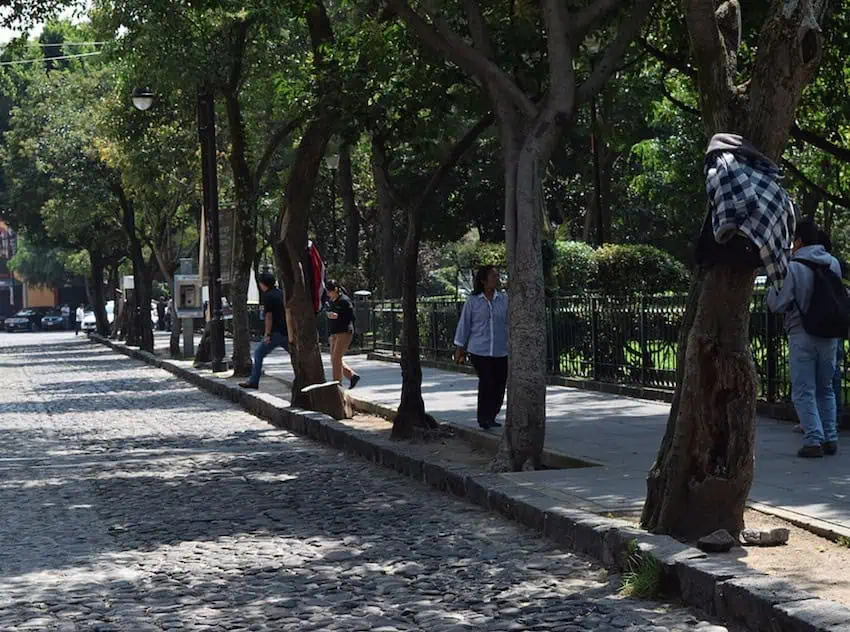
(341, 322)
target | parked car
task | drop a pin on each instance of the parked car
(28, 319)
(52, 321)
(90, 322)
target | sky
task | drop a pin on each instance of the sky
(9, 34)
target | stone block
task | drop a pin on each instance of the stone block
(590, 532)
(750, 599)
(811, 615)
(698, 580)
(477, 488)
(559, 525)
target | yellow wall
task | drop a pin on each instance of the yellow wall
(39, 296)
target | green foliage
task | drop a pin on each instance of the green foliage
(469, 256)
(575, 268)
(352, 278)
(642, 579)
(638, 269)
(40, 265)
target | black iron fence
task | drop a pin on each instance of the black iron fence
(631, 341)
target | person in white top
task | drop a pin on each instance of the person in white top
(78, 321)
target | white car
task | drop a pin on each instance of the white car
(90, 322)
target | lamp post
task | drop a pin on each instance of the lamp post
(333, 163)
(143, 99)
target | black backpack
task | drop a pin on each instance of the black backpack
(828, 315)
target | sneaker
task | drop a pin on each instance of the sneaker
(810, 452)
(830, 448)
(798, 428)
(249, 385)
(355, 380)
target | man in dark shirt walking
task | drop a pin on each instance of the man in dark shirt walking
(275, 333)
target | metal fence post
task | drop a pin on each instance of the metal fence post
(771, 350)
(644, 369)
(594, 335)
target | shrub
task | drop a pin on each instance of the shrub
(574, 268)
(626, 269)
(473, 255)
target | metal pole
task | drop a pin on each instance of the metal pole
(209, 173)
(597, 179)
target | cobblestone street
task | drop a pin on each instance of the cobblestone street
(131, 501)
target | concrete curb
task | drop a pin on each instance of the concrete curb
(723, 587)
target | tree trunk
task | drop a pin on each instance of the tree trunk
(174, 339)
(243, 259)
(522, 441)
(411, 411)
(244, 239)
(97, 297)
(386, 208)
(349, 205)
(291, 251)
(704, 471)
(702, 475)
(294, 259)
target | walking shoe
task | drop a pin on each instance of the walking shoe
(810, 452)
(355, 380)
(830, 448)
(249, 385)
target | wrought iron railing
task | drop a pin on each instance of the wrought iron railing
(632, 341)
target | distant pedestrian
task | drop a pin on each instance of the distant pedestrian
(79, 317)
(66, 316)
(810, 298)
(483, 334)
(341, 323)
(160, 313)
(275, 332)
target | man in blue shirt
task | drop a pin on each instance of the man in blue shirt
(482, 332)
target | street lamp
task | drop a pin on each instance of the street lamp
(333, 163)
(143, 99)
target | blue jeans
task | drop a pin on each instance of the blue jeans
(837, 379)
(262, 350)
(812, 362)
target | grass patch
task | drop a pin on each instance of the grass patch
(844, 541)
(642, 580)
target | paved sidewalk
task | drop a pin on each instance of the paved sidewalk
(622, 435)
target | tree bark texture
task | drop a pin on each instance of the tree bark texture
(702, 474)
(703, 478)
(349, 205)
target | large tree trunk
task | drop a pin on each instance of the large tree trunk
(522, 441)
(349, 205)
(386, 221)
(97, 297)
(701, 478)
(705, 468)
(291, 251)
(244, 239)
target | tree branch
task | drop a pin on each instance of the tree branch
(629, 30)
(277, 137)
(670, 60)
(677, 102)
(842, 153)
(590, 17)
(453, 157)
(441, 38)
(826, 195)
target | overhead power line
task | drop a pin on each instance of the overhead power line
(45, 59)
